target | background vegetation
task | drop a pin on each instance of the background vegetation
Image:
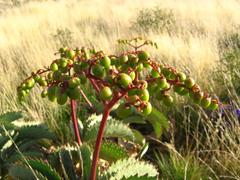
(200, 37)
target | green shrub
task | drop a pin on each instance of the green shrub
(154, 19)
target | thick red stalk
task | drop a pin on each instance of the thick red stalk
(103, 123)
(75, 122)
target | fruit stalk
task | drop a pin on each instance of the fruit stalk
(103, 123)
(75, 122)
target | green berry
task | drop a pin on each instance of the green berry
(22, 93)
(123, 59)
(77, 67)
(155, 73)
(62, 98)
(70, 54)
(182, 77)
(197, 97)
(83, 79)
(189, 83)
(51, 92)
(162, 83)
(30, 83)
(36, 77)
(54, 67)
(143, 55)
(44, 93)
(124, 80)
(132, 92)
(206, 101)
(147, 109)
(113, 60)
(166, 72)
(184, 92)
(74, 82)
(132, 60)
(42, 81)
(105, 62)
(143, 94)
(98, 71)
(63, 62)
(105, 93)
(57, 75)
(132, 75)
(50, 75)
(214, 105)
(139, 67)
(168, 100)
(178, 89)
(73, 93)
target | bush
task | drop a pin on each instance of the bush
(154, 19)
(63, 37)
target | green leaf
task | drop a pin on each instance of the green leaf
(130, 168)
(10, 116)
(45, 169)
(17, 157)
(134, 119)
(34, 132)
(112, 152)
(24, 173)
(114, 128)
(86, 161)
(159, 121)
(67, 164)
(138, 137)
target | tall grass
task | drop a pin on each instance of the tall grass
(27, 43)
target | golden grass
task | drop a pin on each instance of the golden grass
(27, 43)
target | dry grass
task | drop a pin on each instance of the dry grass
(27, 43)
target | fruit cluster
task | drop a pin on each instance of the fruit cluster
(132, 75)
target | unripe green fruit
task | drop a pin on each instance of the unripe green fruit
(74, 82)
(42, 81)
(189, 83)
(178, 89)
(54, 67)
(65, 77)
(166, 72)
(155, 73)
(132, 60)
(139, 67)
(73, 93)
(184, 92)
(152, 88)
(214, 105)
(51, 92)
(113, 60)
(147, 109)
(182, 77)
(105, 93)
(206, 101)
(132, 75)
(168, 100)
(36, 77)
(98, 70)
(105, 62)
(63, 62)
(70, 54)
(147, 65)
(30, 83)
(123, 111)
(124, 80)
(50, 75)
(123, 59)
(143, 55)
(22, 93)
(84, 65)
(62, 98)
(63, 49)
(57, 75)
(162, 83)
(143, 94)
(44, 93)
(70, 62)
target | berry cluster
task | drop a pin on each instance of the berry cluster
(133, 76)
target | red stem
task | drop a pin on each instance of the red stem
(75, 122)
(103, 123)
